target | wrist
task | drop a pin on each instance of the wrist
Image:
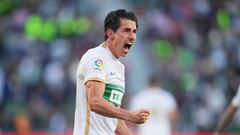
(125, 115)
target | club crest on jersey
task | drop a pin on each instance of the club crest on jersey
(98, 65)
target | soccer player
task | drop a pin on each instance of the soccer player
(164, 110)
(228, 114)
(101, 81)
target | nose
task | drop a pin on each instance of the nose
(132, 36)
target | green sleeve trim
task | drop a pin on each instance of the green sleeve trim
(114, 94)
(115, 87)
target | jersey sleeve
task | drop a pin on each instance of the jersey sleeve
(95, 69)
(170, 103)
(236, 99)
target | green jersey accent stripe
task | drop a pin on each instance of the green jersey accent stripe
(115, 87)
(113, 94)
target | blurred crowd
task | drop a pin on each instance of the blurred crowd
(192, 45)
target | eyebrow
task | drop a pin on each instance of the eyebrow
(129, 29)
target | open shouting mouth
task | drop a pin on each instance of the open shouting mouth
(128, 46)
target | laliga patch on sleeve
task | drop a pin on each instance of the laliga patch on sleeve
(98, 65)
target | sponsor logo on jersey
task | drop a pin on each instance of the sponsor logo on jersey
(99, 65)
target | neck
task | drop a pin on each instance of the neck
(153, 85)
(110, 46)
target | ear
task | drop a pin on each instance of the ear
(110, 34)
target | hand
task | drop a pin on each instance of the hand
(140, 116)
(216, 133)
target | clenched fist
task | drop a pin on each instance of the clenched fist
(140, 116)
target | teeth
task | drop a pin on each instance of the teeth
(127, 45)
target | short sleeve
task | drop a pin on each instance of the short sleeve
(170, 103)
(236, 99)
(95, 69)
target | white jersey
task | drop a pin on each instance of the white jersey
(160, 103)
(98, 64)
(236, 99)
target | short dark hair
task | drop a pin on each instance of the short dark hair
(112, 20)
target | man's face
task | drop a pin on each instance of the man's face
(124, 37)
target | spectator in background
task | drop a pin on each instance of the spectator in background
(163, 108)
(228, 114)
(22, 125)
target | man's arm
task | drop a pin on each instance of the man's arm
(98, 104)
(225, 119)
(122, 128)
(174, 118)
